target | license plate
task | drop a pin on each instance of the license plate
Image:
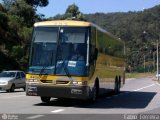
(76, 91)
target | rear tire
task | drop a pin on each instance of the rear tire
(116, 86)
(119, 82)
(45, 99)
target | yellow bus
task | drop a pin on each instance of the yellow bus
(74, 59)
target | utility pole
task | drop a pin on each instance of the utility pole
(154, 61)
(144, 63)
(157, 63)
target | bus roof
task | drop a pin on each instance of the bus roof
(71, 23)
(63, 23)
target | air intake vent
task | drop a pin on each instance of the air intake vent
(62, 82)
(46, 81)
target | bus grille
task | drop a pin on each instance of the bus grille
(62, 82)
(57, 81)
(46, 81)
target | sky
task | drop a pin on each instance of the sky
(92, 6)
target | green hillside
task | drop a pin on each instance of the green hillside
(140, 31)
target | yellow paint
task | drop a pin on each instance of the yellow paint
(52, 77)
(63, 23)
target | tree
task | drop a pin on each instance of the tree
(8, 3)
(130, 27)
(36, 3)
(73, 12)
(16, 21)
(2, 9)
(25, 11)
(3, 25)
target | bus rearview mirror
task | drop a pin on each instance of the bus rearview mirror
(96, 54)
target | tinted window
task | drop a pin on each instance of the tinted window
(73, 35)
(7, 74)
(22, 75)
(45, 34)
(93, 36)
(18, 75)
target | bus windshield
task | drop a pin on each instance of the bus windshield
(56, 50)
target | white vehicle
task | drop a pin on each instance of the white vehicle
(10, 80)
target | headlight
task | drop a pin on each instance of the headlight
(84, 83)
(4, 83)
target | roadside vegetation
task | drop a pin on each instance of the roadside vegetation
(140, 75)
(16, 21)
(139, 30)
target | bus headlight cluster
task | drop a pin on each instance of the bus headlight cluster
(84, 83)
(32, 81)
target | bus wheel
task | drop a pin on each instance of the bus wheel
(119, 82)
(94, 94)
(116, 86)
(95, 91)
(93, 97)
(45, 99)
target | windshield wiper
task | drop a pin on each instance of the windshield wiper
(66, 70)
(42, 70)
(45, 66)
(63, 60)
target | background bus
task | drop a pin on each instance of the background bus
(74, 59)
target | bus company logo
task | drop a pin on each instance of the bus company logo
(4, 116)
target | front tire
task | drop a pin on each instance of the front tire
(24, 88)
(45, 99)
(94, 97)
(95, 93)
(12, 88)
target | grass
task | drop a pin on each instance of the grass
(139, 75)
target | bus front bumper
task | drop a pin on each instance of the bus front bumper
(77, 92)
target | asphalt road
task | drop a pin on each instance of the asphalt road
(137, 97)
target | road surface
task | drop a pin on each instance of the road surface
(137, 97)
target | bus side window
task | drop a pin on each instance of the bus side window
(92, 50)
(93, 45)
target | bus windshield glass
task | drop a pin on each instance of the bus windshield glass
(59, 51)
